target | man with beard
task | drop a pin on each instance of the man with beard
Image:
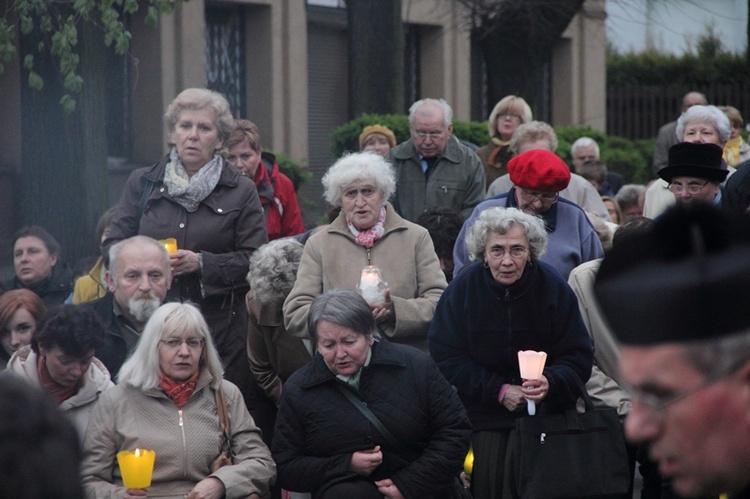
(138, 278)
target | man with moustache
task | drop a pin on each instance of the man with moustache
(138, 278)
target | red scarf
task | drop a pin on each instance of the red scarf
(179, 392)
(59, 393)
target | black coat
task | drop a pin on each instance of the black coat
(115, 350)
(318, 429)
(54, 289)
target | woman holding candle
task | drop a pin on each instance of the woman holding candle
(505, 302)
(20, 312)
(214, 214)
(326, 445)
(165, 401)
(60, 359)
(368, 232)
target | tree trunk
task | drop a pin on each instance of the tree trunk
(63, 177)
(376, 57)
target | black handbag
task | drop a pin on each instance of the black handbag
(457, 489)
(571, 455)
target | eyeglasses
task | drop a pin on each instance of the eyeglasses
(434, 135)
(175, 343)
(692, 187)
(544, 197)
(657, 403)
(498, 252)
(510, 115)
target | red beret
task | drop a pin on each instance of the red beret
(540, 170)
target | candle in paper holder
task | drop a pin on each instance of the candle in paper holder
(171, 244)
(136, 467)
(371, 285)
(469, 462)
(531, 365)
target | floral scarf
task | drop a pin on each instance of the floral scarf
(178, 391)
(368, 237)
(189, 192)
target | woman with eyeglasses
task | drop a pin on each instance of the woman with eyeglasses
(166, 400)
(538, 176)
(507, 300)
(505, 117)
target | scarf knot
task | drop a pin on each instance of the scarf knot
(190, 191)
(178, 391)
(368, 237)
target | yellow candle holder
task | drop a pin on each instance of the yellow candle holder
(136, 467)
(469, 462)
(171, 244)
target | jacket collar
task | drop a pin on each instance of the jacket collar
(515, 290)
(383, 354)
(452, 151)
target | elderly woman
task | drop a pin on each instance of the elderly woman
(212, 211)
(166, 401)
(20, 312)
(369, 232)
(61, 361)
(701, 125)
(506, 116)
(38, 266)
(378, 139)
(508, 300)
(538, 176)
(736, 149)
(326, 444)
(276, 190)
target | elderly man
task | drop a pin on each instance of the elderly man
(685, 346)
(585, 149)
(138, 279)
(433, 169)
(538, 176)
(695, 173)
(539, 135)
(667, 136)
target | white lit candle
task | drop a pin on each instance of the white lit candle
(371, 286)
(531, 365)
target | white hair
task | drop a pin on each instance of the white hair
(441, 103)
(358, 166)
(499, 220)
(584, 142)
(711, 114)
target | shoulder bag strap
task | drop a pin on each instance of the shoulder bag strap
(221, 409)
(361, 406)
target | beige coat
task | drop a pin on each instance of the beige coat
(185, 442)
(406, 257)
(78, 407)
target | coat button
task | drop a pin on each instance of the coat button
(220, 210)
(161, 190)
(368, 440)
(182, 226)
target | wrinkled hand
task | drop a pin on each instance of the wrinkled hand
(364, 462)
(184, 262)
(384, 311)
(135, 493)
(514, 399)
(208, 488)
(535, 389)
(465, 480)
(388, 489)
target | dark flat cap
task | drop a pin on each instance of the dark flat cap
(695, 160)
(681, 281)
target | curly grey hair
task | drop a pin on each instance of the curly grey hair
(711, 114)
(196, 99)
(499, 220)
(441, 103)
(531, 132)
(273, 270)
(358, 166)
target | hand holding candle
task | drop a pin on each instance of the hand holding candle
(531, 365)
(136, 467)
(170, 244)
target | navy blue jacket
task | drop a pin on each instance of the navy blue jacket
(480, 325)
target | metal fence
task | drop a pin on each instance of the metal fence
(637, 111)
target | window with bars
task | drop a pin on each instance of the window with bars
(225, 54)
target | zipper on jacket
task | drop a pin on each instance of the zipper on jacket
(181, 422)
(369, 256)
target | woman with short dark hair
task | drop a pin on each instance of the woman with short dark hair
(325, 445)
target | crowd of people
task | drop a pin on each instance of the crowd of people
(369, 356)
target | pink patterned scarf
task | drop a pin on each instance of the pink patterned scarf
(368, 237)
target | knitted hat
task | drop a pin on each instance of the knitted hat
(540, 170)
(673, 283)
(382, 130)
(695, 160)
